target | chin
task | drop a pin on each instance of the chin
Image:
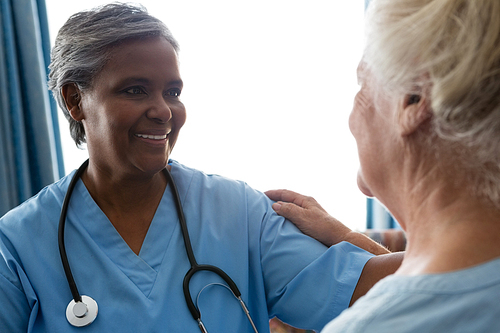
(363, 187)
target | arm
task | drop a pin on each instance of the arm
(15, 312)
(376, 269)
(313, 220)
(15, 303)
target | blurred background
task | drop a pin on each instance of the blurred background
(269, 86)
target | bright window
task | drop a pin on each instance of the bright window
(269, 87)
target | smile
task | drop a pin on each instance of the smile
(152, 137)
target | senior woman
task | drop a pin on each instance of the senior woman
(123, 254)
(427, 125)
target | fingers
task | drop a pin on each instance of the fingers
(287, 196)
(289, 204)
(280, 195)
(308, 216)
(290, 211)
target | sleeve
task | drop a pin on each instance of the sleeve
(16, 308)
(307, 284)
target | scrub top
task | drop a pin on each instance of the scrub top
(278, 270)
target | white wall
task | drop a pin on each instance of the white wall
(269, 86)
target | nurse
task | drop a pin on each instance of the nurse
(115, 74)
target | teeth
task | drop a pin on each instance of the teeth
(153, 137)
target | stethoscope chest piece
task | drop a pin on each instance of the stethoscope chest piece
(81, 313)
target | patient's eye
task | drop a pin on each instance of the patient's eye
(413, 99)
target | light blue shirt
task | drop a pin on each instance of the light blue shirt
(465, 301)
(279, 271)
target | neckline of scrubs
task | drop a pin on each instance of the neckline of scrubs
(141, 269)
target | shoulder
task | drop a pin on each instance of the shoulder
(193, 180)
(27, 230)
(212, 197)
(186, 173)
(34, 213)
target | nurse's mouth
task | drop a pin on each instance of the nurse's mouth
(152, 137)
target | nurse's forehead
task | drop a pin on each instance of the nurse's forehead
(149, 49)
(140, 61)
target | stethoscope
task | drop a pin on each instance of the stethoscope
(82, 310)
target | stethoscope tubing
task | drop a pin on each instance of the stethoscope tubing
(62, 222)
(195, 267)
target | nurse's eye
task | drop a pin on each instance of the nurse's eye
(173, 92)
(135, 91)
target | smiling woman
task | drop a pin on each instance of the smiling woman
(142, 78)
(268, 90)
(138, 222)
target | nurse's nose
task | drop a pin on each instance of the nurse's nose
(160, 110)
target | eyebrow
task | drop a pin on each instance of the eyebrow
(135, 80)
(176, 83)
(146, 81)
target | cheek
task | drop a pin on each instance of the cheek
(179, 116)
(178, 119)
(363, 187)
(105, 122)
(360, 127)
(352, 123)
(90, 121)
(356, 117)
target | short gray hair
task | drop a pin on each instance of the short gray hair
(451, 48)
(83, 45)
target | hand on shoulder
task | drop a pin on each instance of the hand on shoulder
(308, 215)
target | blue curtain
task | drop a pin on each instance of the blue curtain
(30, 150)
(377, 216)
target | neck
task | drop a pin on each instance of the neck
(448, 231)
(126, 192)
(129, 202)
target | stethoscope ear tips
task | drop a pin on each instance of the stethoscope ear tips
(82, 313)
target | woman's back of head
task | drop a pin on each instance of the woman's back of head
(451, 50)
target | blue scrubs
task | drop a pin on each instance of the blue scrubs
(279, 271)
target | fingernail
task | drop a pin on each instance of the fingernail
(276, 207)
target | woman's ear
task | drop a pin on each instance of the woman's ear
(414, 113)
(72, 98)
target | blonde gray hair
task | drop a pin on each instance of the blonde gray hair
(84, 42)
(451, 48)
